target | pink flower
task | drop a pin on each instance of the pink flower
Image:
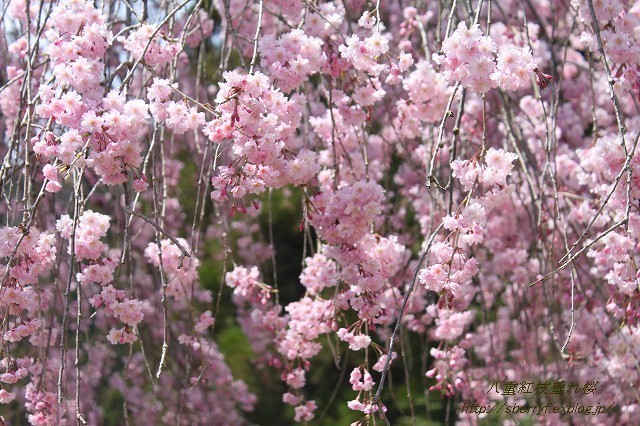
(52, 187)
(129, 312)
(50, 172)
(205, 321)
(379, 366)
(499, 165)
(140, 185)
(291, 399)
(160, 50)
(121, 336)
(361, 380)
(346, 214)
(296, 378)
(320, 272)
(304, 413)
(6, 397)
(468, 57)
(360, 341)
(450, 326)
(367, 20)
(515, 67)
(13, 377)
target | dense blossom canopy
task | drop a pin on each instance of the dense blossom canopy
(463, 179)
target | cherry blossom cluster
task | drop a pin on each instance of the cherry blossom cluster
(25, 256)
(151, 44)
(258, 315)
(180, 271)
(292, 58)
(283, 342)
(104, 125)
(178, 116)
(260, 122)
(448, 370)
(344, 216)
(477, 63)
